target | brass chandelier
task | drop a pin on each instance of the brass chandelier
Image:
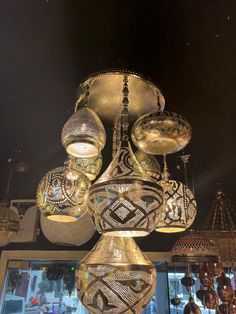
(128, 199)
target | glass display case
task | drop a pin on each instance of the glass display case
(46, 286)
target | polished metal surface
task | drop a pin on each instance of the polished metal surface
(106, 95)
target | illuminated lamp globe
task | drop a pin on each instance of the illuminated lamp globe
(161, 133)
(149, 163)
(89, 166)
(83, 135)
(115, 277)
(124, 201)
(61, 199)
(73, 233)
(179, 207)
(9, 224)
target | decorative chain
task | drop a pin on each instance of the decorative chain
(125, 112)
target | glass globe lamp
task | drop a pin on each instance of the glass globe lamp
(83, 135)
(179, 207)
(149, 164)
(115, 277)
(161, 133)
(124, 201)
(9, 224)
(89, 166)
(62, 199)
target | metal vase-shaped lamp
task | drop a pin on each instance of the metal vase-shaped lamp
(124, 201)
(115, 277)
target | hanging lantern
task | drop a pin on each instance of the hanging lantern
(161, 133)
(180, 207)
(194, 248)
(149, 164)
(211, 300)
(115, 277)
(124, 201)
(187, 281)
(9, 224)
(201, 295)
(191, 307)
(89, 166)
(175, 302)
(74, 233)
(61, 199)
(224, 308)
(83, 135)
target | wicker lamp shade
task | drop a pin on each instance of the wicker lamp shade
(9, 224)
(179, 208)
(161, 133)
(194, 248)
(83, 135)
(89, 166)
(124, 201)
(115, 277)
(61, 199)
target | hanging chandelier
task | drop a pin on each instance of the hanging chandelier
(127, 199)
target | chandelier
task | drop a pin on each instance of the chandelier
(127, 199)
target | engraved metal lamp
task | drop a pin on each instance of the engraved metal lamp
(115, 277)
(179, 208)
(161, 133)
(124, 201)
(83, 135)
(89, 166)
(60, 198)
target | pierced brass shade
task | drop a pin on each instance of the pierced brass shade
(194, 248)
(115, 277)
(161, 133)
(83, 135)
(73, 233)
(149, 164)
(124, 201)
(89, 166)
(9, 224)
(61, 199)
(179, 208)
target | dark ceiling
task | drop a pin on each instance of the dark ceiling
(187, 47)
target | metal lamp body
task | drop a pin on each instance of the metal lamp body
(115, 277)
(124, 201)
(179, 208)
(61, 199)
(161, 133)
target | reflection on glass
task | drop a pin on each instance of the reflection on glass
(28, 289)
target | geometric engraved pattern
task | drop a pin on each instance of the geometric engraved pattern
(179, 209)
(124, 198)
(109, 289)
(58, 195)
(125, 205)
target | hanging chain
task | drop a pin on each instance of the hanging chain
(87, 94)
(125, 112)
(116, 135)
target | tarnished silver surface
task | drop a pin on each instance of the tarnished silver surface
(106, 95)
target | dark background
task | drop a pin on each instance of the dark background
(188, 48)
